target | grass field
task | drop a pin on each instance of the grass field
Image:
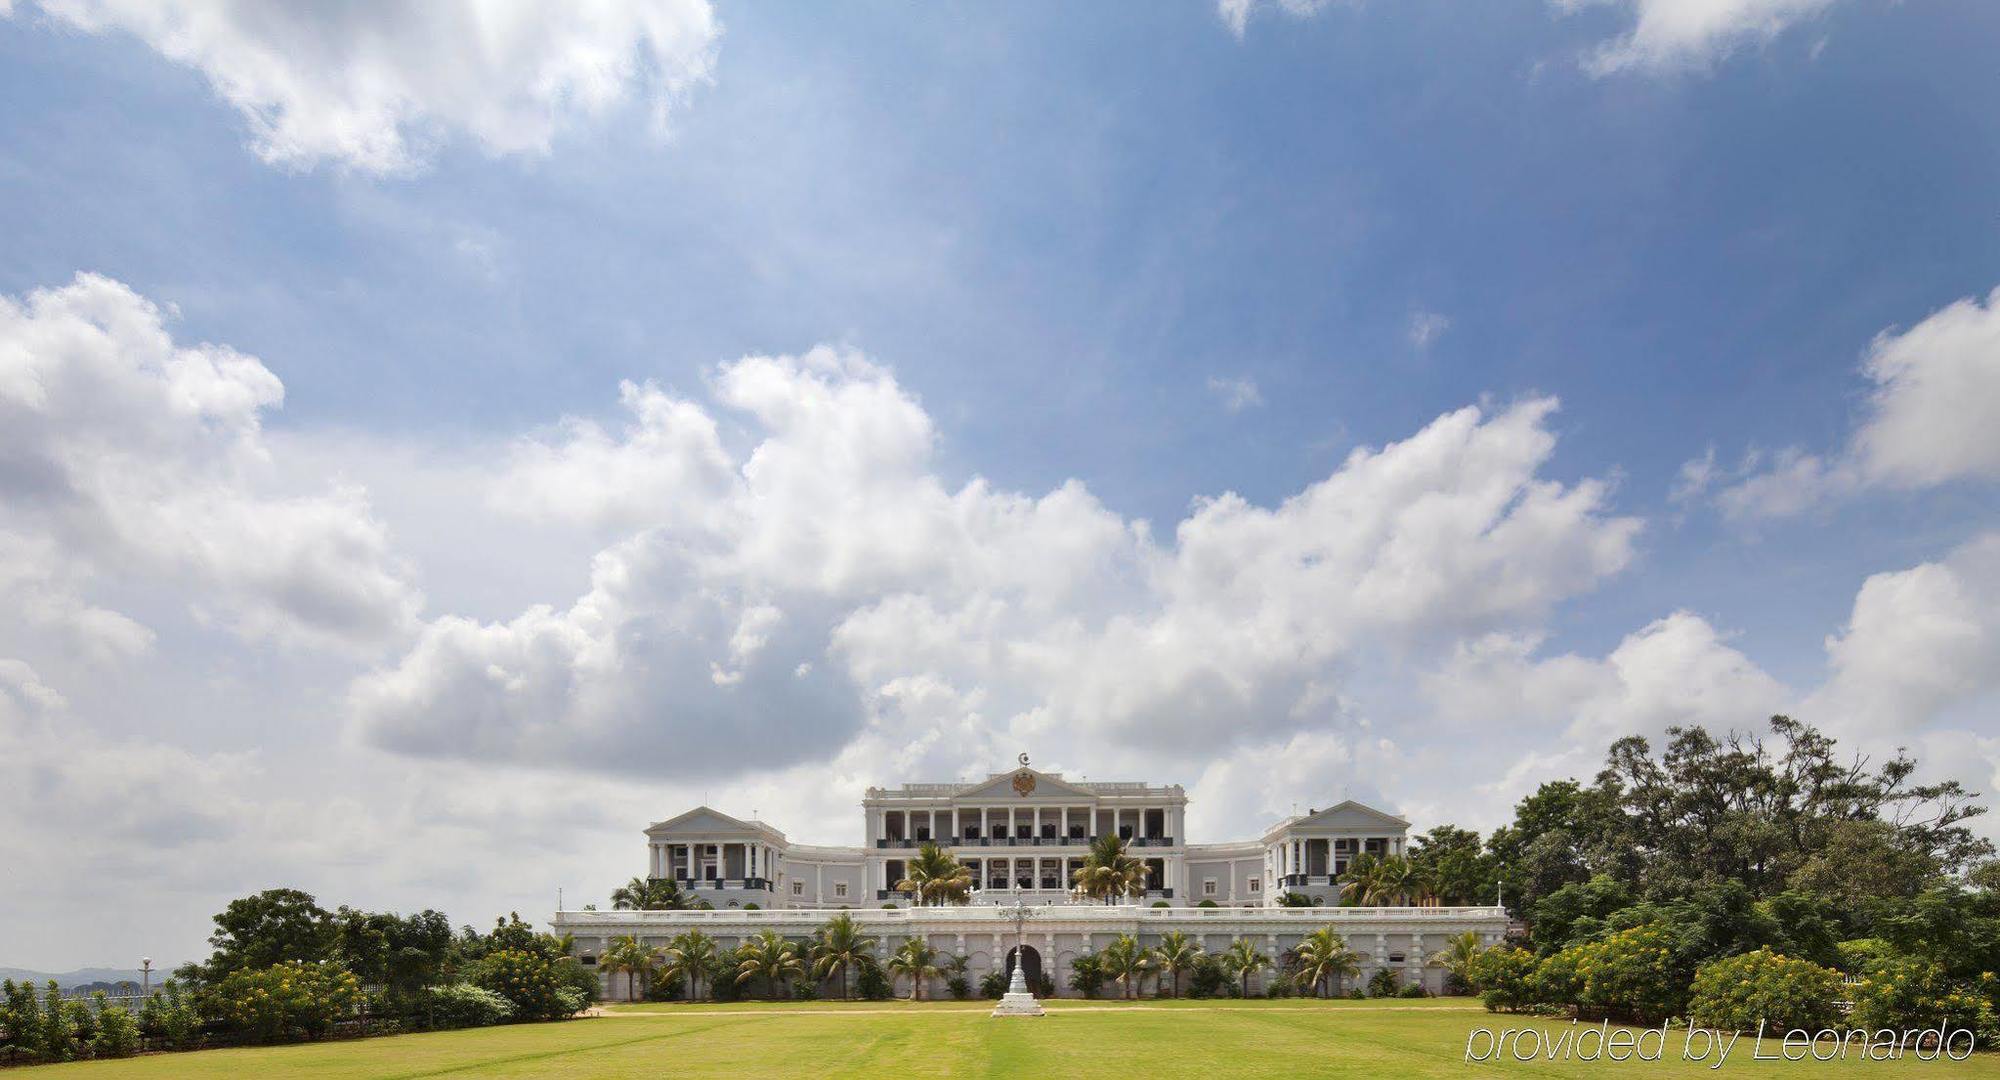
(1165, 1040)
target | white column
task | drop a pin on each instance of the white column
(1117, 816)
(984, 829)
(688, 851)
(934, 834)
(956, 833)
(1010, 821)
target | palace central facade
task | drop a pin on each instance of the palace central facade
(1023, 833)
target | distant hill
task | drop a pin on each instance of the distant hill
(79, 977)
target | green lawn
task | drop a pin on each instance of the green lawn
(1077, 1039)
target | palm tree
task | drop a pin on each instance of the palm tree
(1176, 953)
(626, 955)
(1125, 961)
(1395, 880)
(689, 956)
(1243, 959)
(1459, 951)
(937, 877)
(1321, 957)
(1108, 873)
(918, 960)
(648, 894)
(770, 955)
(839, 946)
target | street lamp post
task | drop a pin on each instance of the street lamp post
(146, 974)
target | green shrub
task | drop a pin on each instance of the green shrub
(1207, 904)
(58, 1041)
(1739, 992)
(1209, 978)
(117, 1030)
(1414, 990)
(284, 1001)
(1863, 955)
(1908, 992)
(1629, 975)
(1554, 982)
(873, 984)
(1502, 977)
(169, 1017)
(570, 972)
(994, 985)
(570, 1001)
(527, 980)
(752, 906)
(1383, 983)
(463, 1005)
(1161, 903)
(805, 990)
(21, 1017)
(1086, 975)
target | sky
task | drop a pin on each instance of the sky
(438, 441)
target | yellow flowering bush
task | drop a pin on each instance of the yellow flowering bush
(1501, 974)
(1906, 992)
(529, 981)
(1783, 992)
(1629, 975)
(284, 1001)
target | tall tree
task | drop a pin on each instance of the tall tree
(649, 894)
(1175, 953)
(1109, 873)
(1321, 957)
(627, 955)
(839, 946)
(689, 956)
(935, 876)
(917, 960)
(1125, 961)
(771, 956)
(1243, 959)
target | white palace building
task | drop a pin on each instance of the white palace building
(1022, 833)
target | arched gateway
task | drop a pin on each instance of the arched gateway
(1031, 962)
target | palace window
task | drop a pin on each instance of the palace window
(798, 888)
(1256, 885)
(840, 888)
(1208, 886)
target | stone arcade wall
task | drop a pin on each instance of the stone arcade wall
(1396, 938)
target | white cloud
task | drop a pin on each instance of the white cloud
(1236, 14)
(830, 553)
(1237, 393)
(126, 456)
(1935, 412)
(1917, 643)
(1682, 34)
(374, 86)
(1676, 671)
(1930, 420)
(1426, 327)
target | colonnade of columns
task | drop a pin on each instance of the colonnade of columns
(691, 862)
(1040, 821)
(1295, 856)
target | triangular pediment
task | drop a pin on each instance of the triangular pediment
(1040, 785)
(703, 820)
(1349, 814)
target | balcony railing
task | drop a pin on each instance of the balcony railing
(756, 883)
(1020, 841)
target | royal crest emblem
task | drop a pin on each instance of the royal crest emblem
(1024, 782)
